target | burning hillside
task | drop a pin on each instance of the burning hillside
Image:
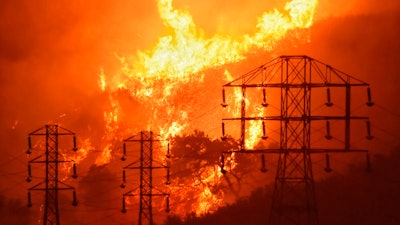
(108, 70)
(165, 83)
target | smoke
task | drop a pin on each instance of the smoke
(365, 46)
(11, 210)
(339, 8)
(227, 17)
(52, 52)
(354, 197)
(51, 55)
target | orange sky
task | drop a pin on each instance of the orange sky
(62, 46)
(52, 52)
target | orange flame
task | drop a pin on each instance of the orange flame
(254, 129)
(208, 201)
(188, 51)
(153, 76)
(254, 132)
(83, 151)
(102, 80)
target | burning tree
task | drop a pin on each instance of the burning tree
(199, 185)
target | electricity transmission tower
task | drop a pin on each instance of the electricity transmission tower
(51, 158)
(294, 78)
(147, 163)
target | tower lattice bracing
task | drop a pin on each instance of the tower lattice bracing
(295, 78)
(146, 164)
(51, 158)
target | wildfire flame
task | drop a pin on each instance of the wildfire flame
(187, 51)
(254, 129)
(153, 76)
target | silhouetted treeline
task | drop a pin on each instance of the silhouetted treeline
(353, 198)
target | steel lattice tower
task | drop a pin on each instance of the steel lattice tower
(147, 164)
(294, 199)
(51, 159)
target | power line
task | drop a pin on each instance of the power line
(146, 166)
(293, 199)
(51, 185)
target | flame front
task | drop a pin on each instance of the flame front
(177, 57)
(157, 78)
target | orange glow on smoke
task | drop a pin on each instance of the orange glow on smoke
(153, 77)
(209, 201)
(111, 126)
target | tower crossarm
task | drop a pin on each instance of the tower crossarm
(146, 164)
(296, 77)
(49, 155)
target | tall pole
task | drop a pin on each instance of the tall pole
(242, 144)
(51, 185)
(51, 213)
(147, 164)
(294, 201)
(294, 196)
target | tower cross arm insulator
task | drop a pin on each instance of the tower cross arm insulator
(147, 164)
(297, 79)
(223, 104)
(50, 158)
(369, 102)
